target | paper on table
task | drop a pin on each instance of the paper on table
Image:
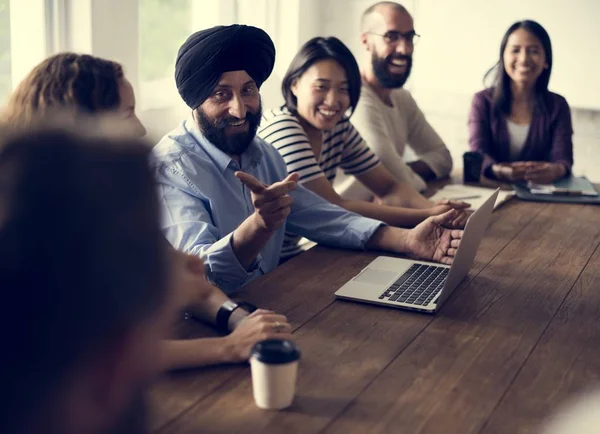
(476, 196)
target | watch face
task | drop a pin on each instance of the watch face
(229, 305)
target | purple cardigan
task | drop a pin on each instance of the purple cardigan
(549, 138)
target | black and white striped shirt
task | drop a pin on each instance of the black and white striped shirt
(342, 147)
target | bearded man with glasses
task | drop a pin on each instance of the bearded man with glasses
(387, 116)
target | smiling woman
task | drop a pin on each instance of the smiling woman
(522, 129)
(315, 138)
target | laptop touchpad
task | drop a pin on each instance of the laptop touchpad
(376, 277)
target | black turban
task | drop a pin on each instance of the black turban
(207, 54)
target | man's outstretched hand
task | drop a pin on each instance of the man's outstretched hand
(432, 240)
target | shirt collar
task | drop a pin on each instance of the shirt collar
(252, 157)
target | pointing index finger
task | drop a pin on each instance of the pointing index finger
(251, 182)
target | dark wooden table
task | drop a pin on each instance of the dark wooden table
(519, 336)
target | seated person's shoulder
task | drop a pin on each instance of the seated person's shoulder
(402, 94)
(270, 153)
(557, 101)
(172, 145)
(486, 93)
(278, 118)
(483, 97)
(402, 99)
(179, 153)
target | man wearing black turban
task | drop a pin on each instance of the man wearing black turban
(211, 56)
(238, 228)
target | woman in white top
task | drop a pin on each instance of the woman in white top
(315, 138)
(523, 130)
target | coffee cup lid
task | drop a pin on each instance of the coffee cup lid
(275, 351)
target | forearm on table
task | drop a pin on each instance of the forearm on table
(206, 308)
(248, 240)
(392, 215)
(404, 194)
(192, 353)
(389, 239)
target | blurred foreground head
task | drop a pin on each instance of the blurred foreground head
(83, 282)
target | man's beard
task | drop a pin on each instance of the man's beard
(232, 144)
(385, 77)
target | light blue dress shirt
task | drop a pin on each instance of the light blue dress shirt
(203, 203)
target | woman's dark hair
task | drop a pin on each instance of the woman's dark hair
(65, 82)
(313, 51)
(502, 96)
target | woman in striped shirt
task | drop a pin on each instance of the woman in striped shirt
(315, 138)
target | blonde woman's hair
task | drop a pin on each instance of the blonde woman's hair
(66, 82)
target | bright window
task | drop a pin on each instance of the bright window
(5, 64)
(164, 25)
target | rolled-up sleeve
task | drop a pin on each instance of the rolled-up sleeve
(187, 224)
(323, 222)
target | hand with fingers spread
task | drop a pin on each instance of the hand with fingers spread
(272, 203)
(259, 325)
(433, 240)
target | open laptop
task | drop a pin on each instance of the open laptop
(419, 285)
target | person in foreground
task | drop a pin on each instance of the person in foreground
(387, 116)
(83, 276)
(226, 194)
(81, 85)
(315, 138)
(522, 129)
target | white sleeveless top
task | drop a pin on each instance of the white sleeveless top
(517, 134)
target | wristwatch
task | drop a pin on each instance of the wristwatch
(225, 311)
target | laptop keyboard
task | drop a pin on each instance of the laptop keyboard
(419, 285)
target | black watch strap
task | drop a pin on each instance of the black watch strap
(224, 313)
(248, 307)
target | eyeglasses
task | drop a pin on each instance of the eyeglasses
(394, 38)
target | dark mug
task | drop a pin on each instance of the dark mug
(472, 162)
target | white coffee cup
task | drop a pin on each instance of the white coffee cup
(274, 365)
